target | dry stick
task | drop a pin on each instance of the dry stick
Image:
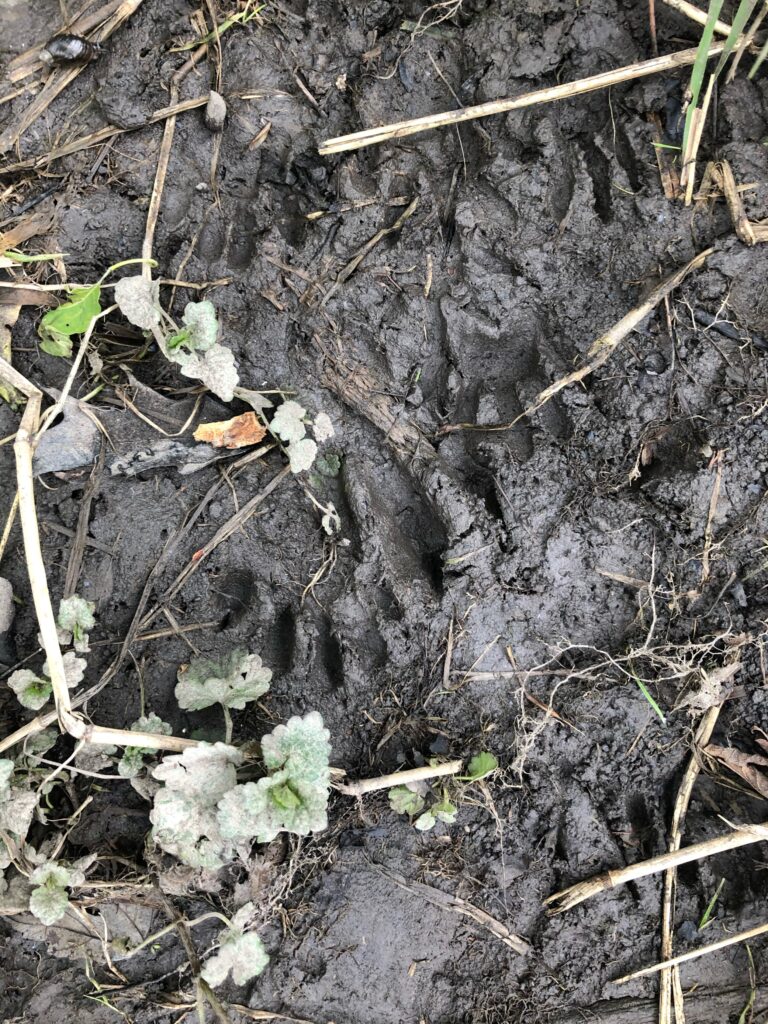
(224, 533)
(683, 7)
(688, 173)
(77, 551)
(600, 350)
(456, 905)
(24, 446)
(575, 894)
(709, 528)
(98, 137)
(349, 268)
(9, 524)
(713, 947)
(669, 983)
(59, 80)
(429, 771)
(373, 136)
(163, 160)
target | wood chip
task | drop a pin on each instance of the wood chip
(239, 432)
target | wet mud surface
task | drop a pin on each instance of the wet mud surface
(533, 233)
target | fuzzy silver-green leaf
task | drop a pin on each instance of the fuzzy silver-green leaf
(233, 681)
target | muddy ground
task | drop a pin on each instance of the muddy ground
(533, 233)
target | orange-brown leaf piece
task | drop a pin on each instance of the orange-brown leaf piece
(238, 432)
(742, 765)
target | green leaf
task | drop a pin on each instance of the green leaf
(480, 766)
(445, 811)
(294, 798)
(288, 422)
(71, 317)
(75, 618)
(54, 342)
(301, 454)
(49, 904)
(202, 325)
(138, 298)
(328, 465)
(177, 339)
(31, 691)
(6, 771)
(215, 368)
(262, 809)
(241, 953)
(49, 901)
(131, 763)
(699, 66)
(404, 801)
(234, 680)
(425, 821)
(301, 747)
(184, 816)
(74, 669)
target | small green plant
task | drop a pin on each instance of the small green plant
(240, 954)
(184, 813)
(232, 681)
(290, 424)
(75, 316)
(427, 802)
(201, 813)
(132, 761)
(49, 899)
(706, 917)
(293, 797)
(34, 691)
(194, 347)
(74, 620)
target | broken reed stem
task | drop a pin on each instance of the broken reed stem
(669, 982)
(400, 129)
(697, 15)
(363, 786)
(713, 947)
(575, 894)
(600, 350)
(96, 138)
(163, 161)
(27, 437)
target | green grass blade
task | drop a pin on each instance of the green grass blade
(647, 694)
(759, 60)
(747, 1013)
(737, 27)
(700, 64)
(706, 917)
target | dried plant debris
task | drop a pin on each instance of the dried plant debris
(239, 432)
(746, 766)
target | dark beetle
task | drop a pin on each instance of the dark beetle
(69, 49)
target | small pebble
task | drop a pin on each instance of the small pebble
(655, 363)
(215, 112)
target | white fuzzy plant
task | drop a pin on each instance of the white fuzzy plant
(196, 349)
(74, 620)
(201, 814)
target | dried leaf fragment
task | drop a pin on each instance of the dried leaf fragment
(239, 432)
(743, 765)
